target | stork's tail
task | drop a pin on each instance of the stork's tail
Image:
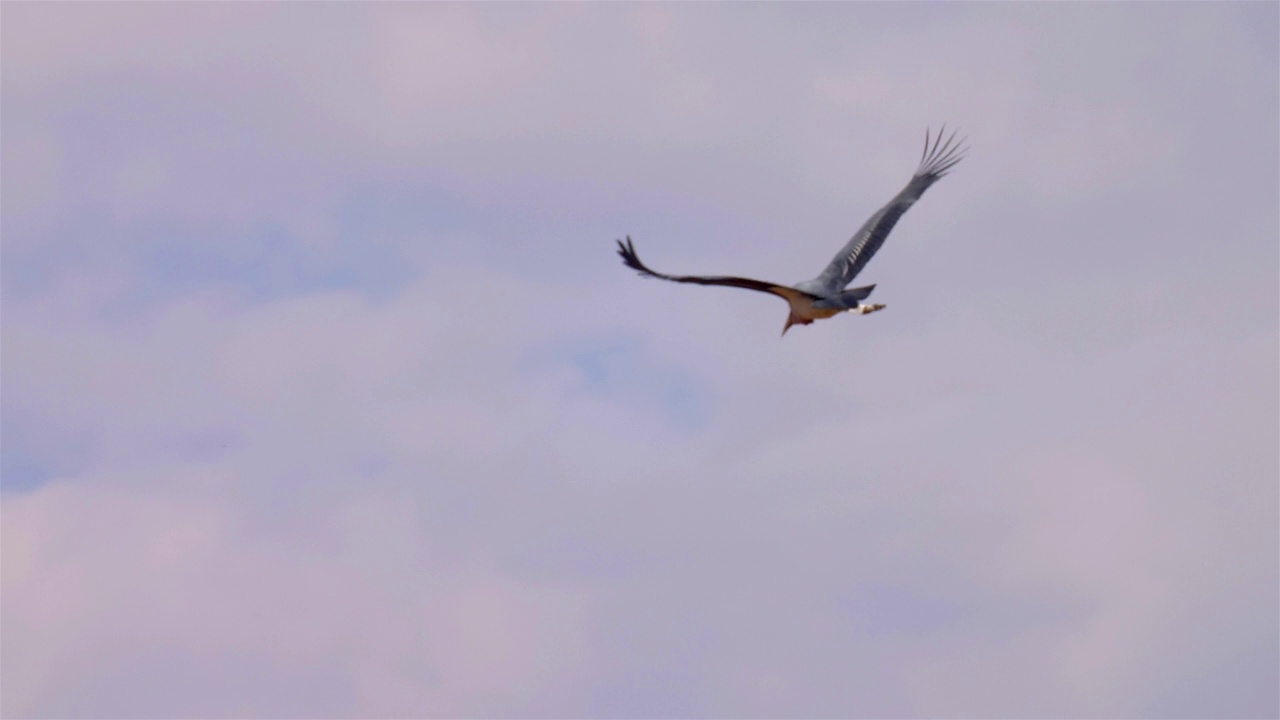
(847, 300)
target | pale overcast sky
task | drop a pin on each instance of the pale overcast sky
(326, 395)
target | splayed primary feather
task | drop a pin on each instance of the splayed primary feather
(824, 296)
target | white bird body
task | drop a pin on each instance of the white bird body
(825, 295)
(805, 307)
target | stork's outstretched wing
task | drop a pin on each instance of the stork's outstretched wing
(935, 162)
(628, 253)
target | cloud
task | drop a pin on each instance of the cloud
(326, 394)
(188, 579)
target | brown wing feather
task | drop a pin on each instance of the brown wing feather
(629, 257)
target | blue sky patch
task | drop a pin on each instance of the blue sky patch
(624, 369)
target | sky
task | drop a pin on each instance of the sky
(326, 395)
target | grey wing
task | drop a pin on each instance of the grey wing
(935, 162)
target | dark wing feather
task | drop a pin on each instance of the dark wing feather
(935, 163)
(629, 257)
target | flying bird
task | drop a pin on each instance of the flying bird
(825, 296)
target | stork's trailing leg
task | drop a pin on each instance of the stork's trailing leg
(825, 296)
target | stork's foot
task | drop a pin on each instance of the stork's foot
(868, 309)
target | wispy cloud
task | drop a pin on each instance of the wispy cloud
(325, 394)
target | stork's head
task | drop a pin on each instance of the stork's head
(793, 319)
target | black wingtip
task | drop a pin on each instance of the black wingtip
(629, 257)
(941, 156)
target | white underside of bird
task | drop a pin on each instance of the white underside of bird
(825, 295)
(805, 308)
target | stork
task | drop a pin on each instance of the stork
(825, 296)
